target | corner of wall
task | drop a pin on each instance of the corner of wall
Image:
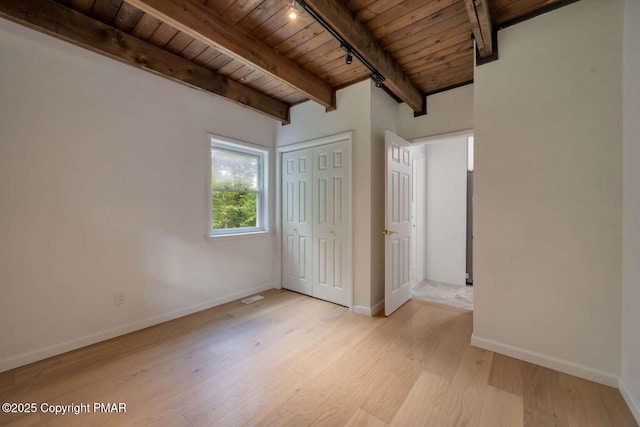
(371, 311)
(447, 112)
(310, 121)
(630, 378)
(632, 400)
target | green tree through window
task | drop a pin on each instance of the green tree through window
(233, 210)
(235, 189)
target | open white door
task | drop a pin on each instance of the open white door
(397, 193)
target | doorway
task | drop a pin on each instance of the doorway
(442, 239)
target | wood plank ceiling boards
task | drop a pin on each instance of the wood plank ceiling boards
(252, 53)
(59, 21)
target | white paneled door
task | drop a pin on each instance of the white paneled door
(330, 228)
(399, 178)
(316, 220)
(297, 225)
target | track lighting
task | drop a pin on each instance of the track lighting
(375, 74)
(292, 13)
(349, 58)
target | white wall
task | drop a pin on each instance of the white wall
(103, 188)
(630, 384)
(548, 191)
(448, 111)
(419, 210)
(369, 111)
(446, 211)
(310, 121)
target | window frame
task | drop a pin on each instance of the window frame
(262, 198)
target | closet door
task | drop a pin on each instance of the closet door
(331, 252)
(297, 225)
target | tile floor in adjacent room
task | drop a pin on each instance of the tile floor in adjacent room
(444, 293)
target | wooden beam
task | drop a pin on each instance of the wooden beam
(202, 23)
(61, 22)
(478, 11)
(340, 19)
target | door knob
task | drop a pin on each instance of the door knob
(389, 232)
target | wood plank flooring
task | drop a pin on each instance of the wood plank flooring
(291, 360)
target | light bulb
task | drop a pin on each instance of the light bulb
(293, 13)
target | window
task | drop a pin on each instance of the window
(238, 188)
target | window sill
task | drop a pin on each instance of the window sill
(236, 236)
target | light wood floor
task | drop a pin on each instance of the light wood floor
(291, 360)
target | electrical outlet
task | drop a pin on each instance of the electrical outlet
(118, 297)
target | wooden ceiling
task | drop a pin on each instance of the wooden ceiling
(424, 46)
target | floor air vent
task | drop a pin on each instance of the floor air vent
(252, 299)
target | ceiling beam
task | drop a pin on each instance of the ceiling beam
(61, 22)
(480, 19)
(336, 15)
(200, 22)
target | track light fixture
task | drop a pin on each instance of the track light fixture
(375, 74)
(377, 79)
(349, 58)
(293, 12)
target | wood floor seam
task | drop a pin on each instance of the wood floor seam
(290, 360)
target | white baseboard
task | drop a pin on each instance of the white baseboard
(547, 361)
(74, 344)
(632, 401)
(362, 309)
(369, 311)
(377, 307)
